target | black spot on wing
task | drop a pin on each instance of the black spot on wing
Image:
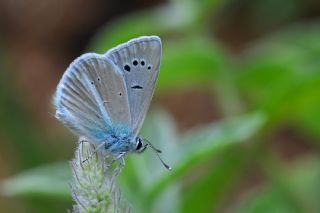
(137, 87)
(127, 68)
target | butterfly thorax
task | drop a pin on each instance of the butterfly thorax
(120, 139)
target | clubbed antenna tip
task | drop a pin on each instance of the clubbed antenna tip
(157, 151)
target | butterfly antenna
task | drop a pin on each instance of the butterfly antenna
(157, 151)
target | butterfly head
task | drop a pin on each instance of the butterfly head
(140, 145)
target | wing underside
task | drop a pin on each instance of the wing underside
(92, 96)
(139, 61)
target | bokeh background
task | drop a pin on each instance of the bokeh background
(236, 109)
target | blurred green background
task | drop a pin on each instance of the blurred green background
(236, 109)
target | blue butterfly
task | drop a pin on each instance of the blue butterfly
(105, 98)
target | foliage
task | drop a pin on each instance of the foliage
(272, 86)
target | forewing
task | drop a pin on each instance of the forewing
(139, 60)
(92, 96)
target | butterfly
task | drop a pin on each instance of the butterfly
(105, 97)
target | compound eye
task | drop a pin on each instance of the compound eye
(139, 145)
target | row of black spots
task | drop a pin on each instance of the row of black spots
(135, 63)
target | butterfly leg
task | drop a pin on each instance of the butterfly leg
(120, 158)
(118, 169)
(96, 149)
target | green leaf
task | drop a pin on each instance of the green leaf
(294, 188)
(49, 180)
(265, 200)
(302, 178)
(180, 17)
(210, 188)
(189, 61)
(201, 144)
(158, 21)
(280, 75)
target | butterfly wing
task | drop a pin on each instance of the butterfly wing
(92, 96)
(139, 60)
